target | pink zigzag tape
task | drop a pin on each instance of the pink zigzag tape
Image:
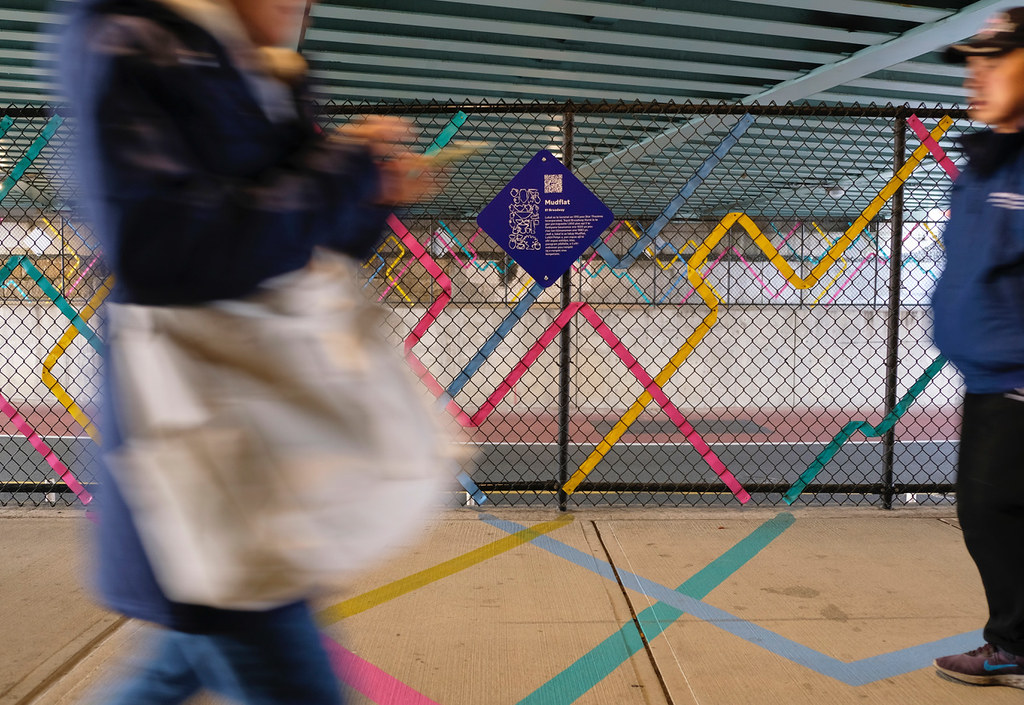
(863, 262)
(44, 450)
(428, 318)
(361, 675)
(938, 152)
(756, 276)
(531, 356)
(607, 237)
(638, 371)
(81, 275)
(707, 271)
(850, 278)
(462, 264)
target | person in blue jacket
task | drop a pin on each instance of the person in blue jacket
(203, 174)
(979, 325)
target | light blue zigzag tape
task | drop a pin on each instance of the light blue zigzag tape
(597, 664)
(855, 673)
(383, 263)
(535, 291)
(492, 343)
(91, 245)
(16, 287)
(651, 233)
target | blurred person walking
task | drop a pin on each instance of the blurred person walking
(205, 178)
(979, 325)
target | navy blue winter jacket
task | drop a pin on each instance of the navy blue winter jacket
(979, 300)
(198, 192)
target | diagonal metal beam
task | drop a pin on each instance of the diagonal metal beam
(914, 43)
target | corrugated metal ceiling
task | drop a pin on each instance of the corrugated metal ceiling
(835, 51)
(831, 50)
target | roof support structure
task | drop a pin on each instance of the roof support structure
(814, 84)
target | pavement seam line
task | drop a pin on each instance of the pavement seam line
(73, 662)
(598, 663)
(633, 614)
(853, 673)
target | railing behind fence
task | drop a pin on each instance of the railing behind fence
(752, 327)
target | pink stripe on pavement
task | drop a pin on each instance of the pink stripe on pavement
(361, 675)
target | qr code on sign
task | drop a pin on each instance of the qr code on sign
(552, 183)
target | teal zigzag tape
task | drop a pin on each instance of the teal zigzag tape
(5, 125)
(34, 150)
(51, 292)
(864, 427)
(446, 134)
(597, 664)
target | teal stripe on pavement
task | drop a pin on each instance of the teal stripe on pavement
(601, 661)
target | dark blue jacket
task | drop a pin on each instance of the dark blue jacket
(979, 299)
(197, 193)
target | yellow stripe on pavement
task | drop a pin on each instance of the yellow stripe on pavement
(384, 593)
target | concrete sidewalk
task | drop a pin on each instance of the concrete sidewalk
(813, 605)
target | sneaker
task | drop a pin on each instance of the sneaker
(988, 665)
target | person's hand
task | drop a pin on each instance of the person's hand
(409, 178)
(405, 177)
(385, 135)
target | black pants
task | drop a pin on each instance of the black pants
(990, 504)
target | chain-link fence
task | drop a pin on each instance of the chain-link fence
(752, 327)
(52, 281)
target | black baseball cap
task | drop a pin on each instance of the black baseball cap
(1002, 33)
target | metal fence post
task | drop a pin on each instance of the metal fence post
(565, 358)
(892, 356)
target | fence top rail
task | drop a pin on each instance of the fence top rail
(638, 107)
(584, 108)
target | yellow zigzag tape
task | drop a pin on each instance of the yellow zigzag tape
(77, 263)
(838, 274)
(698, 259)
(60, 348)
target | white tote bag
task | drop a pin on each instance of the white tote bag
(272, 445)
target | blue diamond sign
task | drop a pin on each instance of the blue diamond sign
(545, 218)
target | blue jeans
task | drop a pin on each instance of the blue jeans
(276, 662)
